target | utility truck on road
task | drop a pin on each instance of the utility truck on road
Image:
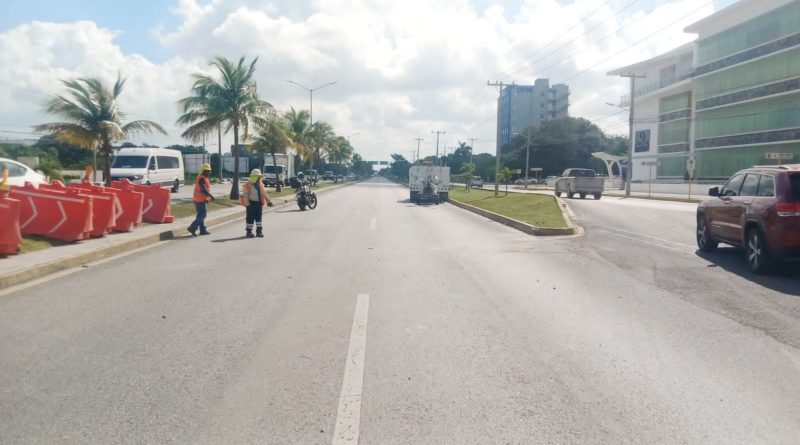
(279, 171)
(428, 183)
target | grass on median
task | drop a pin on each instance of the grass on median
(535, 209)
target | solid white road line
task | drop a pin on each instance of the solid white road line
(348, 417)
(372, 223)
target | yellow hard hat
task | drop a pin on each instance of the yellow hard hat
(205, 167)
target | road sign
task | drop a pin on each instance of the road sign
(690, 164)
(536, 169)
(780, 156)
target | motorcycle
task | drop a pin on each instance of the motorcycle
(306, 197)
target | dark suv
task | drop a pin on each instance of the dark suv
(759, 210)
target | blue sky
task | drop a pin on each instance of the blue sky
(403, 68)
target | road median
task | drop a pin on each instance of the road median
(534, 214)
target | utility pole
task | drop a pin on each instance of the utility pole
(527, 156)
(471, 147)
(438, 132)
(633, 78)
(497, 149)
(418, 141)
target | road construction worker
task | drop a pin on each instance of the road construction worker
(201, 196)
(254, 196)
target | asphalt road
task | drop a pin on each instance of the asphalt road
(373, 319)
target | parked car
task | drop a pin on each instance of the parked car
(525, 181)
(476, 181)
(19, 173)
(758, 209)
(328, 176)
(550, 181)
(312, 176)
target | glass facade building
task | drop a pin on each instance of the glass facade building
(524, 106)
(741, 99)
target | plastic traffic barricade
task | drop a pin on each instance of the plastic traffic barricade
(64, 214)
(130, 200)
(106, 207)
(10, 236)
(157, 207)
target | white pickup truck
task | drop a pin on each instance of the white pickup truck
(581, 181)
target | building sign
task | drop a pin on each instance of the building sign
(642, 141)
(780, 156)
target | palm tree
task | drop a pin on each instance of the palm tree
(321, 136)
(299, 132)
(93, 118)
(231, 102)
(272, 137)
(468, 170)
(339, 150)
(505, 176)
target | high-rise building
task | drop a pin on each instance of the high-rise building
(727, 101)
(523, 106)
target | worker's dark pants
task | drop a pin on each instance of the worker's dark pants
(254, 212)
(200, 219)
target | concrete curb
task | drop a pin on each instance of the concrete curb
(659, 198)
(40, 270)
(519, 225)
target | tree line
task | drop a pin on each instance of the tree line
(554, 146)
(223, 102)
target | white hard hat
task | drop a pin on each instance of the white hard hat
(255, 172)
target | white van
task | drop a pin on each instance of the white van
(147, 165)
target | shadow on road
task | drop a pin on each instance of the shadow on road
(785, 277)
(289, 211)
(225, 240)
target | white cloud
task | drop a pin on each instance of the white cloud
(403, 68)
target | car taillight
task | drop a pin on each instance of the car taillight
(788, 209)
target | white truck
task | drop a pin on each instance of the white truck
(581, 181)
(429, 183)
(280, 170)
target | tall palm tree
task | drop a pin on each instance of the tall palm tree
(339, 150)
(321, 136)
(300, 132)
(230, 102)
(93, 118)
(271, 138)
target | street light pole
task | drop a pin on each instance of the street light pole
(438, 132)
(527, 157)
(497, 147)
(629, 160)
(311, 99)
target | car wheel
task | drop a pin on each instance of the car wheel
(598, 195)
(557, 193)
(756, 252)
(582, 195)
(704, 241)
(570, 195)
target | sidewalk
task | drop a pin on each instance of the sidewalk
(695, 198)
(18, 269)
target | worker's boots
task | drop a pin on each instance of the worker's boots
(249, 233)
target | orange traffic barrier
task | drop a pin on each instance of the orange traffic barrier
(106, 207)
(130, 214)
(64, 214)
(157, 203)
(10, 236)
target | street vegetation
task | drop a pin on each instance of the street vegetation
(92, 120)
(535, 209)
